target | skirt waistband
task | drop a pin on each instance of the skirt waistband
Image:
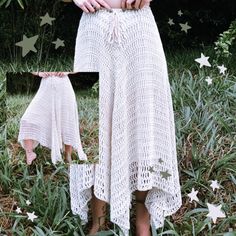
(120, 10)
(115, 21)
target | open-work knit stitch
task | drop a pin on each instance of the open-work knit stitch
(51, 118)
(137, 147)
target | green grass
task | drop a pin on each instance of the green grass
(205, 118)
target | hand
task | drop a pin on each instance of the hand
(137, 4)
(60, 74)
(41, 74)
(47, 74)
(91, 5)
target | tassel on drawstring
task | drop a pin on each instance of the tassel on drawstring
(115, 30)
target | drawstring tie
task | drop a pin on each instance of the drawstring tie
(115, 30)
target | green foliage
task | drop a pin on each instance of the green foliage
(6, 3)
(22, 17)
(207, 19)
(95, 89)
(225, 41)
(205, 135)
(17, 22)
(2, 109)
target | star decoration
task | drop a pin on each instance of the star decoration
(28, 202)
(193, 195)
(180, 13)
(31, 216)
(18, 210)
(165, 174)
(27, 44)
(208, 80)
(171, 22)
(215, 212)
(58, 43)
(160, 160)
(222, 69)
(46, 19)
(185, 27)
(214, 184)
(151, 169)
(203, 61)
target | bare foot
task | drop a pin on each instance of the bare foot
(98, 226)
(30, 156)
(93, 230)
(98, 208)
(68, 158)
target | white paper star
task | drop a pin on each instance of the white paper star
(180, 13)
(46, 19)
(208, 80)
(28, 202)
(215, 212)
(214, 184)
(171, 22)
(203, 61)
(222, 69)
(193, 195)
(27, 44)
(185, 27)
(58, 43)
(18, 210)
(31, 216)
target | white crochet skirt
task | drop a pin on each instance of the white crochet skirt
(137, 146)
(51, 118)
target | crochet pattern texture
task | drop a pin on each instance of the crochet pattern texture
(137, 147)
(51, 118)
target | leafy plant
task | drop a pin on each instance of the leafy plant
(205, 135)
(225, 41)
(6, 3)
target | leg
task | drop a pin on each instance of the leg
(68, 152)
(142, 215)
(30, 155)
(98, 214)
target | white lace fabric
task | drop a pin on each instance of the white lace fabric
(137, 147)
(52, 119)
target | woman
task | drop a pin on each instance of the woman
(136, 121)
(51, 119)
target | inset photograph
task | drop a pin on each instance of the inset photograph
(52, 116)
